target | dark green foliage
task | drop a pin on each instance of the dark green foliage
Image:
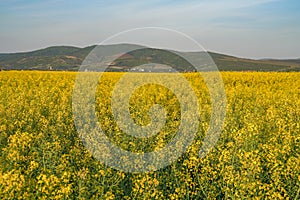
(69, 58)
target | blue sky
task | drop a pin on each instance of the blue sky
(253, 29)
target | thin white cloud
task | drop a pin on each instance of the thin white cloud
(231, 26)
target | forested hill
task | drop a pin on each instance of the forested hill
(69, 58)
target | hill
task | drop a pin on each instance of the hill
(70, 58)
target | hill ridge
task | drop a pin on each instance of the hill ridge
(69, 58)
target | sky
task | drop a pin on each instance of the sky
(251, 29)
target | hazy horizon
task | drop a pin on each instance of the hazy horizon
(259, 58)
(257, 29)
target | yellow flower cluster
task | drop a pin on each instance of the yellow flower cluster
(256, 157)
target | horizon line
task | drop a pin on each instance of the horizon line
(208, 51)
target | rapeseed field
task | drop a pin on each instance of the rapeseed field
(256, 157)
